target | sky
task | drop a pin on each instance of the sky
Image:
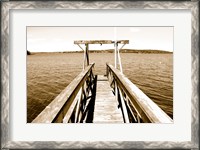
(60, 39)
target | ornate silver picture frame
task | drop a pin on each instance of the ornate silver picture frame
(8, 6)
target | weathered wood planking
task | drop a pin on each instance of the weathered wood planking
(100, 42)
(106, 107)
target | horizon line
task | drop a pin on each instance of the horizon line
(99, 50)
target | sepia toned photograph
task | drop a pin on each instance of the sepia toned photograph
(100, 74)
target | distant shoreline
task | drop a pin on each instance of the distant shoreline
(111, 51)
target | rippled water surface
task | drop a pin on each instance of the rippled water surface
(48, 74)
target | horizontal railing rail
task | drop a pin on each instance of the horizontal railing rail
(70, 105)
(139, 106)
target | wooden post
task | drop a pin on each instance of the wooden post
(86, 54)
(116, 92)
(116, 89)
(119, 59)
(78, 107)
(123, 107)
(116, 58)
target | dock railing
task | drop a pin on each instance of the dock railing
(71, 105)
(136, 106)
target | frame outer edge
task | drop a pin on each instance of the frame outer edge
(195, 74)
(5, 76)
(6, 144)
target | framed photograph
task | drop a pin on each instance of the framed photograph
(99, 74)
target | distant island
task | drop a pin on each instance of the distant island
(112, 51)
(125, 51)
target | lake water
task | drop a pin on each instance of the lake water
(48, 74)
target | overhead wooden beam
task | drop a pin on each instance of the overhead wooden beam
(100, 42)
(93, 42)
(123, 41)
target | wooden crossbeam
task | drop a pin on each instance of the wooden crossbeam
(93, 42)
(100, 42)
(123, 41)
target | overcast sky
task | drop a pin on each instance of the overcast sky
(59, 39)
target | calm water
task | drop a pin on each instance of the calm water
(48, 74)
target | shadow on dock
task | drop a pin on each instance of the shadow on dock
(90, 107)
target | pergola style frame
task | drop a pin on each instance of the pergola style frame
(117, 55)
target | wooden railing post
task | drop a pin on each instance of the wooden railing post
(123, 107)
(86, 54)
(116, 58)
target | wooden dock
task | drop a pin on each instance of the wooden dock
(89, 98)
(106, 106)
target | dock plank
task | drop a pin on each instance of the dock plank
(106, 107)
